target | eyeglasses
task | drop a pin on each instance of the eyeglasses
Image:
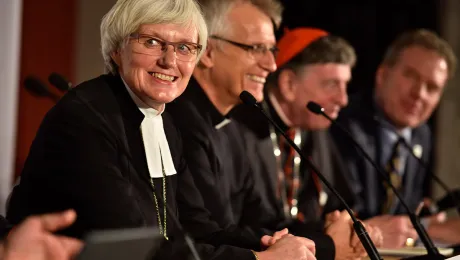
(185, 51)
(257, 51)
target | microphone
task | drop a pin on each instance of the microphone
(59, 82)
(37, 88)
(454, 199)
(432, 251)
(366, 241)
(125, 150)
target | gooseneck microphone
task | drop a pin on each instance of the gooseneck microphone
(432, 251)
(37, 88)
(453, 197)
(59, 82)
(366, 241)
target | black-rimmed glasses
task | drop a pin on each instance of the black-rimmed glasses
(185, 51)
(257, 50)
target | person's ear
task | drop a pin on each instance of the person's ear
(207, 59)
(380, 75)
(116, 57)
(287, 85)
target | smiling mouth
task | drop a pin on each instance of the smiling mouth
(256, 78)
(332, 112)
(163, 76)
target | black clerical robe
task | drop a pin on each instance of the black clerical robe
(88, 155)
(218, 155)
(214, 150)
(317, 145)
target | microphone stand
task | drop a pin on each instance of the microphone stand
(366, 241)
(432, 251)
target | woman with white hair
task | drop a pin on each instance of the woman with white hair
(109, 150)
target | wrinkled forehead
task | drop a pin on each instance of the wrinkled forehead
(326, 71)
(422, 59)
(249, 23)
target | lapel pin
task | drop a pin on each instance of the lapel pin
(418, 150)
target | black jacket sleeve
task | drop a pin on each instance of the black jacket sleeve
(4, 227)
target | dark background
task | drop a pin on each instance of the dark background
(369, 26)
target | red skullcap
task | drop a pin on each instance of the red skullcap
(294, 41)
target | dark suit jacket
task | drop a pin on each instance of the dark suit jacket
(367, 183)
(88, 155)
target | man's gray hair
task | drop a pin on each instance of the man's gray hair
(126, 16)
(215, 12)
(327, 49)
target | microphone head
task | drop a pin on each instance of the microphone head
(36, 86)
(315, 108)
(59, 82)
(248, 98)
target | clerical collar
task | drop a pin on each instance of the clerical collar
(205, 105)
(276, 112)
(147, 110)
(279, 110)
(157, 152)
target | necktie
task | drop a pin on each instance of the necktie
(393, 168)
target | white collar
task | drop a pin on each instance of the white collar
(157, 152)
(145, 108)
(279, 110)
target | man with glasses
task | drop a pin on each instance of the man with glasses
(240, 55)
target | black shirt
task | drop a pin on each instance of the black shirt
(215, 152)
(220, 158)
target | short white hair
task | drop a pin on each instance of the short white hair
(126, 16)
